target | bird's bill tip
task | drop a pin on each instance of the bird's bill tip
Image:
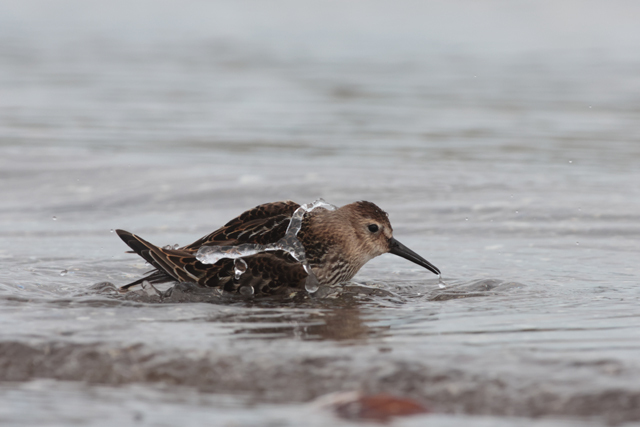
(401, 250)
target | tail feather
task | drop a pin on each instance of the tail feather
(145, 250)
(171, 265)
(139, 246)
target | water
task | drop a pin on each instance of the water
(169, 119)
(240, 267)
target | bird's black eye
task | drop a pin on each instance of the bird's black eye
(373, 228)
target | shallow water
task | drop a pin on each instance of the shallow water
(506, 157)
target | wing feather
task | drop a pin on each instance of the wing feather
(263, 224)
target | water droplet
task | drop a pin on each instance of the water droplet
(441, 284)
(589, 106)
(55, 218)
(466, 219)
(246, 290)
(516, 211)
(145, 284)
(570, 161)
(111, 231)
(311, 284)
(63, 272)
(240, 266)
(511, 196)
(577, 243)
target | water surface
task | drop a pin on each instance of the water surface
(504, 148)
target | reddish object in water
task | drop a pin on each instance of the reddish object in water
(378, 407)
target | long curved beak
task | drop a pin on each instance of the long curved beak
(399, 249)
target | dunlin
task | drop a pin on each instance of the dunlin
(275, 247)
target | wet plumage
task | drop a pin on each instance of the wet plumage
(337, 244)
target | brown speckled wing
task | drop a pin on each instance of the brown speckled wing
(263, 224)
(267, 273)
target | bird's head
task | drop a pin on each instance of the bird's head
(374, 235)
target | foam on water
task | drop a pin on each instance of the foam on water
(289, 243)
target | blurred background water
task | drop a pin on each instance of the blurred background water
(501, 137)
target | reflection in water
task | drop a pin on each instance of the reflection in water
(314, 319)
(335, 325)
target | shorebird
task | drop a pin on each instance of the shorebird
(276, 247)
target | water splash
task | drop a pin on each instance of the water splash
(150, 290)
(298, 215)
(240, 266)
(441, 283)
(311, 284)
(289, 243)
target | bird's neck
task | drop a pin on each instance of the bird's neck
(331, 246)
